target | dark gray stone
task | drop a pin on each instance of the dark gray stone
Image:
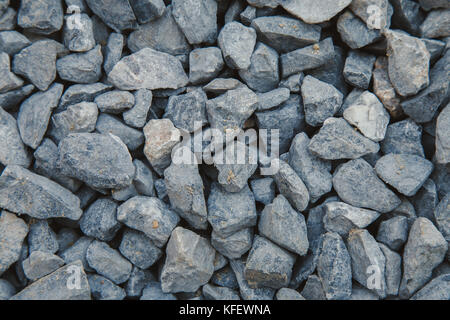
(235, 245)
(407, 15)
(263, 190)
(272, 98)
(116, 14)
(40, 264)
(113, 51)
(42, 17)
(99, 220)
(205, 64)
(153, 291)
(137, 115)
(132, 138)
(442, 136)
(393, 270)
(354, 32)
(403, 137)
(42, 237)
(78, 252)
(104, 289)
(426, 200)
(436, 25)
(12, 149)
(248, 292)
(13, 231)
(436, 289)
(147, 10)
(83, 67)
(211, 292)
(139, 249)
(137, 282)
(12, 99)
(312, 11)
(82, 93)
(225, 278)
(358, 69)
(393, 232)
(313, 289)
(79, 36)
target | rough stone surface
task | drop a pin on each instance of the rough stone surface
(116, 14)
(42, 17)
(13, 232)
(85, 67)
(314, 11)
(442, 136)
(12, 149)
(358, 69)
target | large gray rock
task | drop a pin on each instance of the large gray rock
(148, 69)
(42, 17)
(405, 172)
(67, 283)
(189, 262)
(79, 38)
(34, 114)
(436, 25)
(40, 264)
(83, 156)
(338, 140)
(237, 43)
(139, 249)
(424, 251)
(409, 63)
(442, 136)
(150, 216)
(436, 289)
(355, 32)
(358, 69)
(9, 81)
(357, 184)
(403, 137)
(11, 42)
(85, 67)
(13, 231)
(312, 11)
(12, 149)
(99, 220)
(205, 64)
(132, 138)
(280, 223)
(197, 19)
(22, 191)
(393, 232)
(233, 246)
(363, 9)
(116, 14)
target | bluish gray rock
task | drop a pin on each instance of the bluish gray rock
(262, 74)
(280, 223)
(81, 93)
(41, 17)
(334, 268)
(314, 11)
(246, 291)
(11, 99)
(393, 270)
(78, 252)
(426, 200)
(367, 260)
(205, 64)
(357, 184)
(37, 63)
(407, 15)
(189, 262)
(293, 82)
(113, 51)
(403, 137)
(13, 232)
(355, 32)
(83, 156)
(40, 264)
(104, 289)
(285, 34)
(147, 10)
(153, 291)
(36, 196)
(313, 289)
(7, 290)
(233, 246)
(137, 116)
(108, 124)
(288, 294)
(85, 67)
(342, 218)
(424, 251)
(108, 262)
(139, 249)
(268, 265)
(436, 25)
(116, 14)
(433, 4)
(231, 212)
(225, 278)
(222, 85)
(393, 232)
(143, 179)
(99, 220)
(307, 58)
(12, 149)
(358, 69)
(338, 140)
(237, 43)
(42, 237)
(442, 216)
(197, 19)
(79, 37)
(9, 80)
(263, 190)
(211, 292)
(442, 136)
(148, 69)
(405, 172)
(34, 114)
(8, 20)
(321, 100)
(66, 237)
(55, 285)
(137, 282)
(150, 216)
(272, 98)
(362, 9)
(436, 289)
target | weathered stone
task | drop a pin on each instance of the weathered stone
(13, 231)
(9, 81)
(40, 264)
(37, 63)
(116, 14)
(237, 43)
(307, 58)
(204, 64)
(82, 93)
(108, 262)
(42, 237)
(407, 15)
(36, 196)
(84, 156)
(104, 289)
(34, 114)
(11, 99)
(405, 172)
(78, 252)
(153, 291)
(334, 268)
(358, 69)
(137, 282)
(139, 249)
(436, 25)
(225, 278)
(113, 51)
(321, 100)
(12, 149)
(7, 290)
(132, 138)
(314, 11)
(393, 270)
(137, 115)
(293, 82)
(409, 62)
(42, 17)
(354, 32)
(147, 10)
(83, 67)
(263, 190)
(393, 232)
(55, 285)
(342, 218)
(150, 216)
(433, 4)
(99, 220)
(442, 136)
(280, 223)
(235, 245)
(79, 37)
(338, 140)
(189, 262)
(403, 137)
(148, 69)
(424, 251)
(211, 292)
(363, 9)
(436, 289)
(357, 184)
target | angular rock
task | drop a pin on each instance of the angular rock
(288, 294)
(225, 278)
(41, 17)
(7, 290)
(148, 69)
(393, 232)
(338, 140)
(263, 190)
(84, 156)
(40, 264)
(314, 11)
(235, 245)
(393, 270)
(82, 93)
(104, 289)
(442, 136)
(9, 81)
(99, 220)
(42, 237)
(211, 292)
(36, 196)
(222, 85)
(407, 15)
(355, 32)
(205, 64)
(357, 184)
(293, 82)
(11, 99)
(13, 231)
(108, 262)
(246, 291)
(424, 251)
(12, 149)
(150, 216)
(403, 137)
(137, 115)
(237, 43)
(433, 4)
(137, 282)
(147, 10)
(436, 25)
(405, 172)
(139, 249)
(313, 289)
(116, 14)
(132, 138)
(153, 291)
(189, 262)
(113, 51)
(83, 67)
(79, 36)
(363, 9)
(78, 252)
(272, 98)
(436, 289)
(358, 69)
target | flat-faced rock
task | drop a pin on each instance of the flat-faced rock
(79, 37)
(42, 237)
(42, 17)
(137, 115)
(442, 136)
(116, 14)
(436, 289)
(436, 25)
(84, 156)
(82, 93)
(393, 232)
(9, 81)
(148, 69)
(147, 10)
(248, 292)
(403, 137)
(13, 232)
(37, 196)
(363, 9)
(314, 11)
(393, 270)
(85, 67)
(132, 138)
(205, 64)
(99, 220)
(405, 172)
(355, 32)
(40, 264)
(189, 262)
(235, 245)
(104, 289)
(357, 184)
(12, 149)
(358, 69)
(113, 51)
(11, 99)
(338, 140)
(139, 249)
